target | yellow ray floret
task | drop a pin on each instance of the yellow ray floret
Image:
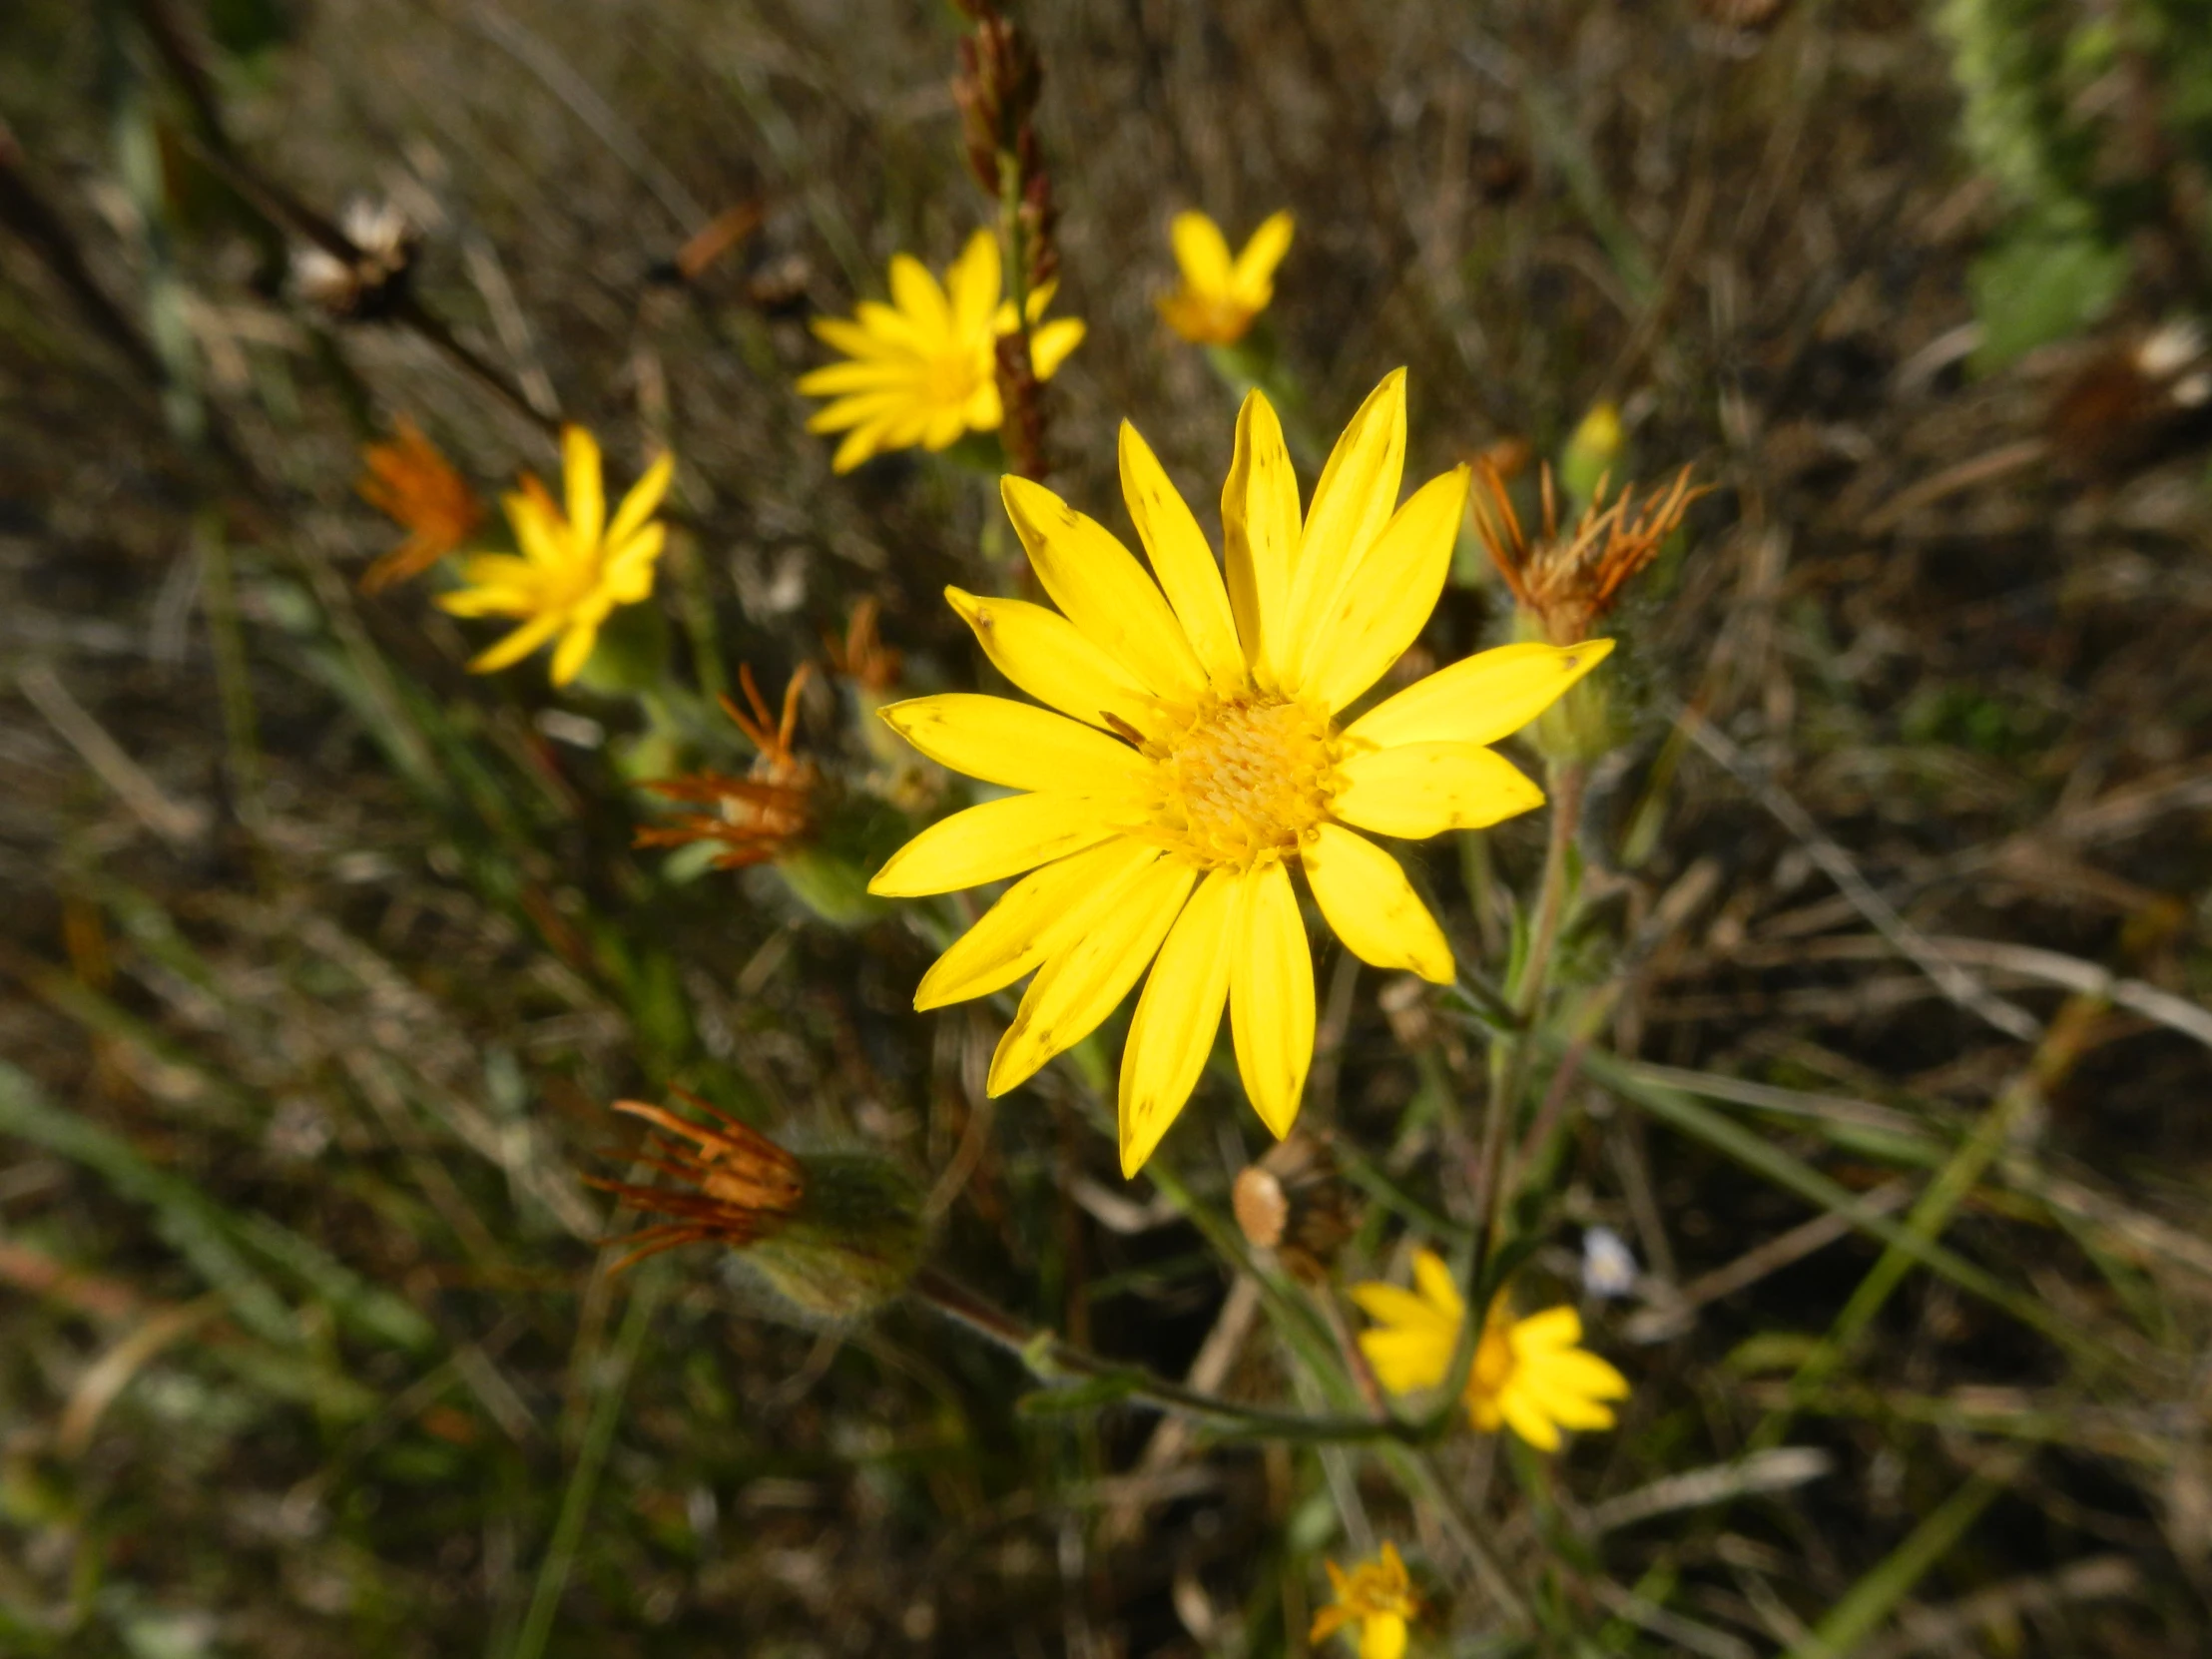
(574, 568)
(1189, 756)
(1376, 1595)
(923, 369)
(1532, 1375)
(1221, 296)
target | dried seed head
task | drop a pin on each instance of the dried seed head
(837, 1235)
(369, 282)
(766, 814)
(1567, 581)
(1293, 1203)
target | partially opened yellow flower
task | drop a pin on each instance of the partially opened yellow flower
(574, 569)
(1197, 757)
(1530, 1375)
(1377, 1596)
(924, 368)
(1221, 296)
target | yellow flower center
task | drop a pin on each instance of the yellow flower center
(1246, 779)
(953, 377)
(1492, 1370)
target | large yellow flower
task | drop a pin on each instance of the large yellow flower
(574, 569)
(1377, 1596)
(924, 368)
(1204, 759)
(1530, 1375)
(1221, 296)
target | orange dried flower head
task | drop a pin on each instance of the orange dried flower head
(761, 816)
(1567, 581)
(743, 1187)
(410, 481)
(861, 656)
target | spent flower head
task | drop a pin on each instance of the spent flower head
(370, 278)
(1376, 1595)
(574, 567)
(923, 369)
(1565, 582)
(1221, 294)
(1530, 1375)
(761, 816)
(1196, 757)
(838, 1235)
(410, 481)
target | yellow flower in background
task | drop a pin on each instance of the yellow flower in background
(1377, 1596)
(408, 480)
(1196, 757)
(924, 368)
(574, 568)
(1530, 1375)
(1221, 296)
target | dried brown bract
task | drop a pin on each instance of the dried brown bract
(1567, 581)
(761, 816)
(409, 480)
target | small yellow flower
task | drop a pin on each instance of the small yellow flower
(1221, 296)
(1530, 1375)
(410, 481)
(924, 368)
(1197, 759)
(1376, 1595)
(574, 569)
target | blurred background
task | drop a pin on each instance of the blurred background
(320, 960)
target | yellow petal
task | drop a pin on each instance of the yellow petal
(916, 295)
(1051, 343)
(580, 470)
(1355, 497)
(1525, 1418)
(973, 283)
(835, 378)
(518, 643)
(575, 649)
(1253, 277)
(1055, 662)
(898, 333)
(1479, 699)
(853, 338)
(1382, 1637)
(1439, 1288)
(1173, 1029)
(1405, 1361)
(1402, 1309)
(538, 529)
(1100, 587)
(1418, 790)
(1013, 744)
(1554, 1328)
(991, 842)
(1202, 251)
(1182, 561)
(1030, 920)
(643, 500)
(1260, 533)
(1384, 604)
(1365, 898)
(1271, 996)
(497, 583)
(1085, 978)
(1577, 1378)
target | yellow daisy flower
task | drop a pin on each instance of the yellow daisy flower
(1530, 1375)
(1376, 1595)
(574, 569)
(1221, 296)
(924, 368)
(1197, 756)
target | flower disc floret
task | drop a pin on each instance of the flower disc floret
(1192, 752)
